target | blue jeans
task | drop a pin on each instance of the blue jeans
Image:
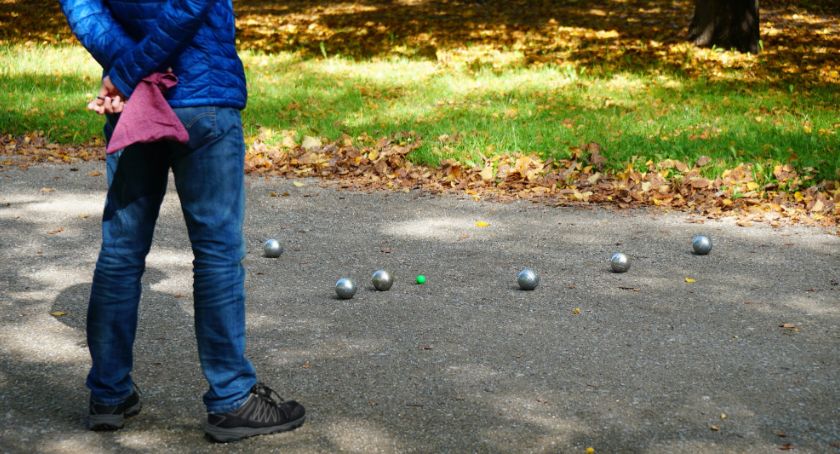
(210, 182)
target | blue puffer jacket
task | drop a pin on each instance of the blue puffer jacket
(134, 38)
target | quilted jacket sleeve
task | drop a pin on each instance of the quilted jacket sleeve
(97, 30)
(177, 24)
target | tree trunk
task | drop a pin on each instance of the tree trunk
(726, 24)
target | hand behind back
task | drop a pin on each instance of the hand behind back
(109, 100)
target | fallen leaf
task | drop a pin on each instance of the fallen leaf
(689, 280)
(576, 311)
(306, 365)
(714, 428)
(700, 183)
(58, 230)
(298, 184)
(46, 190)
(272, 194)
(58, 313)
(289, 139)
(482, 224)
(311, 143)
(94, 173)
(487, 174)
(786, 447)
(789, 328)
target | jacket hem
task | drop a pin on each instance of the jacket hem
(200, 102)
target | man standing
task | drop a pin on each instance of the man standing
(195, 40)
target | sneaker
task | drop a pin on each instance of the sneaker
(112, 417)
(260, 414)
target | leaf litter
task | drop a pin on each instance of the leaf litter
(367, 163)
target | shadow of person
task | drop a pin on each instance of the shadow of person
(165, 350)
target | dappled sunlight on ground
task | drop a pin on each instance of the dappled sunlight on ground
(470, 373)
(448, 229)
(317, 355)
(54, 277)
(170, 257)
(708, 447)
(806, 304)
(466, 362)
(49, 207)
(360, 436)
(42, 338)
(69, 444)
(553, 430)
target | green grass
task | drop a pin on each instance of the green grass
(466, 111)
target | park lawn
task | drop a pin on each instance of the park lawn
(469, 109)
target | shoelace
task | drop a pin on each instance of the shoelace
(267, 394)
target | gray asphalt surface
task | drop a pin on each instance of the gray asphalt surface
(464, 363)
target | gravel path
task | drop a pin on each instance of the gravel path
(466, 362)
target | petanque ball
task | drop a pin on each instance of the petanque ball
(382, 280)
(272, 248)
(701, 244)
(528, 279)
(619, 262)
(345, 288)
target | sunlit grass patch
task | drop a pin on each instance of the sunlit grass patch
(471, 109)
(467, 113)
(46, 88)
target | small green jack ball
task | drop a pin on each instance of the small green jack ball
(421, 279)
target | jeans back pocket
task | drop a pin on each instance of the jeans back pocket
(200, 123)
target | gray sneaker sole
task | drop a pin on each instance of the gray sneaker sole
(224, 435)
(111, 422)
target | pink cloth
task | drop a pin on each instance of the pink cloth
(147, 117)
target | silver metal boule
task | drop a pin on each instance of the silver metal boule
(345, 288)
(382, 280)
(527, 279)
(272, 248)
(701, 244)
(619, 262)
